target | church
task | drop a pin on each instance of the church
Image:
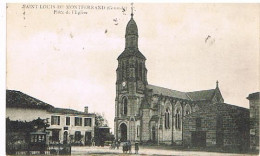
(146, 112)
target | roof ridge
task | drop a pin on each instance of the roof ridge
(201, 90)
(188, 96)
(166, 88)
(28, 98)
(67, 109)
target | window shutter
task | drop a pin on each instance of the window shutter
(52, 120)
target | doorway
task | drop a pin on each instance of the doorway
(88, 138)
(65, 137)
(123, 130)
(198, 138)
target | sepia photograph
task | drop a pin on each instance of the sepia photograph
(132, 79)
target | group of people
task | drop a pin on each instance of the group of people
(126, 146)
(115, 144)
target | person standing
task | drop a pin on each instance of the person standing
(124, 148)
(130, 147)
(136, 148)
(117, 144)
(93, 141)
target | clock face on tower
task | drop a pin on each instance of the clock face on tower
(123, 83)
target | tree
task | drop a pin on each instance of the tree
(100, 120)
(18, 132)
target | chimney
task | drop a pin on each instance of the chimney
(86, 109)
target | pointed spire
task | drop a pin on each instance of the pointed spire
(217, 84)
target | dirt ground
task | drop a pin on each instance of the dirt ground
(83, 150)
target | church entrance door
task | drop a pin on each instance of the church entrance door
(123, 130)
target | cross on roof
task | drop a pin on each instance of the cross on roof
(132, 7)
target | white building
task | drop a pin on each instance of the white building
(66, 125)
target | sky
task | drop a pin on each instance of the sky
(70, 60)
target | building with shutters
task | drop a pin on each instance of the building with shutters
(66, 125)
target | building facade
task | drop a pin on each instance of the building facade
(220, 125)
(66, 125)
(145, 112)
(70, 126)
(254, 103)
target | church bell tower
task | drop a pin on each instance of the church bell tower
(130, 86)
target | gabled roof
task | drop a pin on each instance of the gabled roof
(18, 99)
(192, 96)
(67, 111)
(201, 95)
(168, 92)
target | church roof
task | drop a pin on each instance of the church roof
(131, 52)
(201, 95)
(168, 92)
(131, 28)
(193, 96)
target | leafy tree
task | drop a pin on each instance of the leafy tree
(19, 132)
(100, 120)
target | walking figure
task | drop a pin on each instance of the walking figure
(117, 144)
(113, 145)
(125, 148)
(136, 148)
(129, 147)
(93, 141)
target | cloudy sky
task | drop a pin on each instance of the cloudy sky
(69, 60)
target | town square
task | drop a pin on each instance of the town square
(132, 79)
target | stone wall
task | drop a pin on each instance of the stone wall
(208, 125)
(254, 104)
(234, 126)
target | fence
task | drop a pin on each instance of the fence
(52, 149)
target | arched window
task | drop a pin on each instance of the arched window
(178, 119)
(140, 71)
(123, 70)
(124, 106)
(167, 119)
(126, 68)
